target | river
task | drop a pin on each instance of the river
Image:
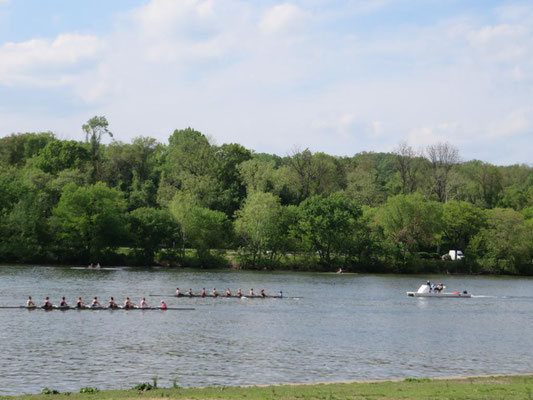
(341, 327)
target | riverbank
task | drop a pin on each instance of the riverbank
(481, 387)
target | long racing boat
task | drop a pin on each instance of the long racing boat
(57, 308)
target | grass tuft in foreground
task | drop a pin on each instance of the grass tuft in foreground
(486, 388)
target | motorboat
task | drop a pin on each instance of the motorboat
(425, 291)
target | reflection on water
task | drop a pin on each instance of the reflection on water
(343, 327)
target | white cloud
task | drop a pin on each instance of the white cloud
(282, 17)
(43, 62)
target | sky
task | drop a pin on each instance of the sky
(335, 76)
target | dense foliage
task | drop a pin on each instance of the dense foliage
(193, 203)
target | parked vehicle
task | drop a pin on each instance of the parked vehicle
(453, 255)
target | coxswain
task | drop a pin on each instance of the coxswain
(228, 292)
(143, 303)
(112, 303)
(47, 303)
(63, 303)
(239, 292)
(79, 303)
(203, 294)
(251, 293)
(280, 294)
(189, 293)
(263, 294)
(178, 293)
(163, 305)
(95, 303)
(215, 294)
(30, 302)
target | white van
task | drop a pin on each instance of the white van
(456, 254)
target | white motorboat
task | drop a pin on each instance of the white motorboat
(425, 291)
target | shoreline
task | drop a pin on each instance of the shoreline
(508, 386)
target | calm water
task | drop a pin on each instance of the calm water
(343, 327)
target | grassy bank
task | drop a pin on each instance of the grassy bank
(494, 387)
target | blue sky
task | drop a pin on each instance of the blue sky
(335, 76)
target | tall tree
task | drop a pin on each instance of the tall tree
(443, 156)
(95, 129)
(408, 167)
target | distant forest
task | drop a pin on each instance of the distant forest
(192, 203)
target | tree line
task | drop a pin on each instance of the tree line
(194, 203)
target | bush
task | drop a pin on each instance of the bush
(89, 389)
(49, 391)
(143, 387)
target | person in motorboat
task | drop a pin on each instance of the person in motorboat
(30, 303)
(143, 303)
(47, 303)
(251, 294)
(430, 286)
(228, 292)
(95, 303)
(203, 294)
(80, 303)
(215, 293)
(112, 303)
(63, 303)
(239, 292)
(263, 294)
(163, 305)
(189, 293)
(438, 288)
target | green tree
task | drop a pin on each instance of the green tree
(461, 222)
(16, 149)
(152, 229)
(59, 155)
(505, 244)
(89, 220)
(203, 229)
(327, 225)
(262, 226)
(412, 221)
(95, 129)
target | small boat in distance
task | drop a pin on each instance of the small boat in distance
(425, 291)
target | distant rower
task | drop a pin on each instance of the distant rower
(178, 293)
(163, 305)
(251, 293)
(80, 303)
(112, 303)
(30, 302)
(63, 302)
(215, 294)
(143, 303)
(189, 293)
(239, 292)
(47, 303)
(203, 294)
(263, 294)
(228, 292)
(128, 303)
(95, 303)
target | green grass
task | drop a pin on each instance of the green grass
(486, 388)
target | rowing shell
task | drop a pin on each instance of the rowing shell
(224, 296)
(97, 308)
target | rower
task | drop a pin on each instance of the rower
(203, 294)
(95, 303)
(251, 293)
(228, 292)
(189, 293)
(63, 303)
(79, 303)
(178, 293)
(280, 294)
(263, 294)
(128, 303)
(143, 303)
(163, 305)
(47, 303)
(215, 294)
(30, 302)
(239, 292)
(112, 303)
